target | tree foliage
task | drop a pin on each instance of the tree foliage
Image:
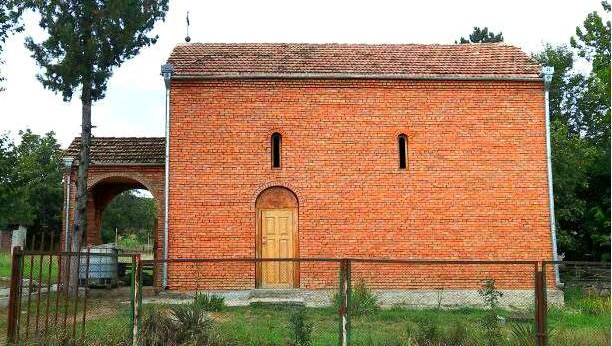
(31, 182)
(9, 22)
(13, 202)
(580, 138)
(87, 40)
(131, 214)
(482, 36)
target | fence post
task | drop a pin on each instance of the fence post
(15, 294)
(136, 301)
(541, 306)
(345, 302)
(348, 292)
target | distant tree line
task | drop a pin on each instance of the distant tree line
(132, 215)
(31, 192)
(31, 182)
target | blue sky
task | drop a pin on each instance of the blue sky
(134, 104)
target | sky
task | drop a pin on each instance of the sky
(134, 103)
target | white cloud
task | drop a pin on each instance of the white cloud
(134, 102)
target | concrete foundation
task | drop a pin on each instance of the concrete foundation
(413, 299)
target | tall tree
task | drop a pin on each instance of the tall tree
(482, 36)
(580, 136)
(40, 174)
(9, 22)
(593, 44)
(87, 40)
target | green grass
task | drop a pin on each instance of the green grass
(5, 264)
(578, 323)
(268, 325)
(262, 325)
(30, 262)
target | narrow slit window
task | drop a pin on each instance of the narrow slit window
(402, 141)
(276, 150)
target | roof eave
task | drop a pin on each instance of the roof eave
(526, 78)
(108, 163)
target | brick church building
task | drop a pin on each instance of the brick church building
(340, 150)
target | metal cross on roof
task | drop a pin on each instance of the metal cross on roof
(187, 38)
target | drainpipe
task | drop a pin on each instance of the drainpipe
(68, 165)
(547, 74)
(166, 72)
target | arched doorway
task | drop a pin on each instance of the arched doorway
(120, 199)
(106, 191)
(277, 237)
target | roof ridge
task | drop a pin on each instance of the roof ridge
(187, 44)
(379, 60)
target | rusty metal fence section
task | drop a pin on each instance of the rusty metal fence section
(58, 296)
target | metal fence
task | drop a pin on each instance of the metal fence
(61, 297)
(317, 301)
(583, 316)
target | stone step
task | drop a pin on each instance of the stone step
(277, 296)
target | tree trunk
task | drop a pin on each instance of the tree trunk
(80, 216)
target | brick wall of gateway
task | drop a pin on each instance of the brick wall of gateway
(475, 186)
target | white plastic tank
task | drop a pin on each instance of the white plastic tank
(102, 266)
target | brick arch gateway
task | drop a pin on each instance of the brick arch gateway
(117, 164)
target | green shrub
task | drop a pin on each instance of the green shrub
(363, 301)
(158, 329)
(183, 324)
(210, 302)
(189, 318)
(522, 334)
(490, 324)
(300, 328)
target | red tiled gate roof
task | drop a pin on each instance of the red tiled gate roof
(484, 60)
(122, 150)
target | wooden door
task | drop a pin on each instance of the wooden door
(277, 232)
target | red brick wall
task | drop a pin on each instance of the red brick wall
(116, 179)
(475, 187)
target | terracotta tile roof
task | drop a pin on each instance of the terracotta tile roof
(122, 150)
(485, 60)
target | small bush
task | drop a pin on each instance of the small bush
(522, 334)
(158, 329)
(189, 318)
(300, 328)
(362, 302)
(490, 324)
(183, 324)
(210, 302)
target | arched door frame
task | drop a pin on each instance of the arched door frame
(277, 198)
